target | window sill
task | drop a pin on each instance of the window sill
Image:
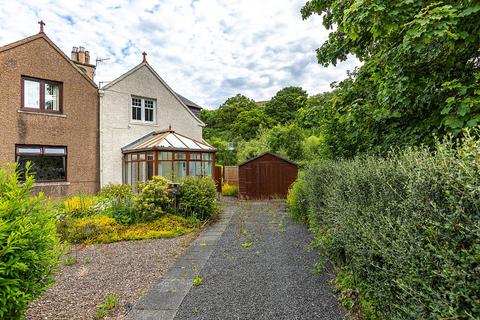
(150, 124)
(43, 113)
(51, 184)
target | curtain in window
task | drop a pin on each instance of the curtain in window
(31, 94)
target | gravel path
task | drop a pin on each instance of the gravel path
(127, 268)
(272, 279)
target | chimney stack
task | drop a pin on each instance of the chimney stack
(74, 55)
(81, 55)
(81, 58)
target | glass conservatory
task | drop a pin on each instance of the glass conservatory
(167, 154)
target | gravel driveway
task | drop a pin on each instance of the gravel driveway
(269, 277)
(127, 268)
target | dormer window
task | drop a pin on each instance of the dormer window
(143, 110)
(41, 95)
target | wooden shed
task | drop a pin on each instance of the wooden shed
(266, 176)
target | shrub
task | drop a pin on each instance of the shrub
(123, 214)
(103, 229)
(229, 190)
(29, 244)
(297, 202)
(79, 206)
(198, 197)
(153, 199)
(118, 193)
(405, 226)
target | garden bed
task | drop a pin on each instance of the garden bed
(127, 269)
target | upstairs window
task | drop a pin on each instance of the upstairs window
(143, 110)
(41, 95)
(48, 163)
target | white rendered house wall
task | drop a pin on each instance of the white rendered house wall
(117, 129)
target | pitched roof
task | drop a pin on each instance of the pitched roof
(270, 153)
(167, 140)
(146, 64)
(53, 45)
(188, 102)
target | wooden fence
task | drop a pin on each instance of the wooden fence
(230, 175)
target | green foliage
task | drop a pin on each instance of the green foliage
(283, 107)
(79, 206)
(248, 123)
(420, 73)
(123, 214)
(286, 140)
(229, 190)
(111, 302)
(197, 281)
(224, 155)
(405, 226)
(220, 121)
(249, 149)
(297, 201)
(104, 229)
(69, 261)
(315, 148)
(153, 199)
(247, 245)
(198, 197)
(30, 247)
(118, 193)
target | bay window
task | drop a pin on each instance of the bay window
(41, 95)
(48, 163)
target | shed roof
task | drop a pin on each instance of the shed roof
(167, 140)
(270, 153)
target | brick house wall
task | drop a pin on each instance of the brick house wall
(77, 127)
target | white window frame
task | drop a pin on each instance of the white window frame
(143, 110)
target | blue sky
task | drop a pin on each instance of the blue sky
(207, 50)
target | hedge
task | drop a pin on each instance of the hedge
(405, 228)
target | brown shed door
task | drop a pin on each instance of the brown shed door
(272, 179)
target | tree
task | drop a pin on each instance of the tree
(420, 74)
(224, 155)
(286, 140)
(248, 123)
(284, 105)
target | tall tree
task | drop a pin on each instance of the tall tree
(284, 105)
(421, 71)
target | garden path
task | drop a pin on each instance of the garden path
(253, 264)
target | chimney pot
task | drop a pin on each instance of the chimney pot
(81, 55)
(81, 49)
(74, 54)
(87, 57)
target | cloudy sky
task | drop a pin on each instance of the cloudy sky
(207, 50)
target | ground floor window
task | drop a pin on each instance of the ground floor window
(48, 163)
(141, 166)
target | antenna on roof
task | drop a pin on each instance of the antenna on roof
(41, 23)
(100, 60)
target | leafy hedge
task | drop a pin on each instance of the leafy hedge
(405, 228)
(198, 197)
(29, 244)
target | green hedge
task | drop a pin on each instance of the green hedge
(405, 228)
(198, 197)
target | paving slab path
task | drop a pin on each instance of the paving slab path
(254, 263)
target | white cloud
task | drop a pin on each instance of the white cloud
(207, 50)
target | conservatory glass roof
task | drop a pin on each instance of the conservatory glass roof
(167, 140)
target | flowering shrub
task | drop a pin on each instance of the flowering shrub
(229, 190)
(79, 206)
(153, 199)
(198, 197)
(103, 229)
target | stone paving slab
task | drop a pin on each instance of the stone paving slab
(162, 301)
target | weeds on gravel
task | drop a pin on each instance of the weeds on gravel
(69, 261)
(103, 310)
(282, 225)
(203, 244)
(247, 245)
(197, 281)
